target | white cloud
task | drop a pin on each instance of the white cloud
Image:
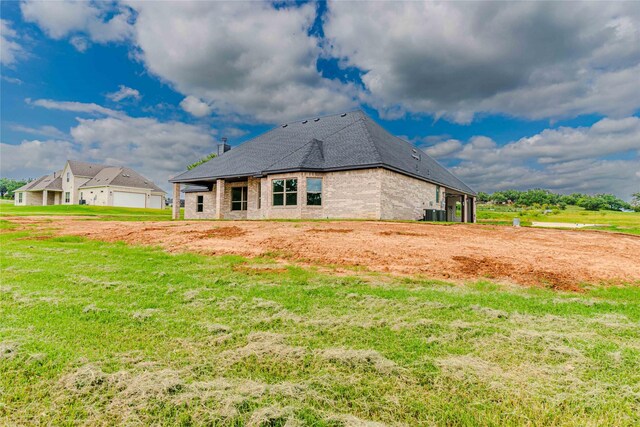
(32, 159)
(78, 107)
(99, 22)
(156, 149)
(241, 58)
(48, 131)
(124, 92)
(604, 157)
(10, 50)
(195, 106)
(456, 59)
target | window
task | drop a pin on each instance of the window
(19, 197)
(314, 191)
(437, 194)
(68, 175)
(239, 198)
(200, 204)
(285, 192)
(67, 197)
(81, 196)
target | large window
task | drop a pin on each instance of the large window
(437, 194)
(285, 192)
(200, 204)
(19, 197)
(67, 197)
(238, 198)
(314, 191)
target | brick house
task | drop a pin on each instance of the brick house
(340, 166)
(92, 184)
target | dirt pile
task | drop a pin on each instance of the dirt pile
(557, 258)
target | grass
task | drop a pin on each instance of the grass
(624, 222)
(90, 212)
(108, 334)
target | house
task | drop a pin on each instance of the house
(340, 166)
(92, 184)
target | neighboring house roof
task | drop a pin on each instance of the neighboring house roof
(85, 168)
(339, 142)
(51, 182)
(122, 177)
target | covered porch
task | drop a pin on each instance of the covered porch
(460, 207)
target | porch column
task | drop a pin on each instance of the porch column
(219, 198)
(463, 211)
(175, 207)
(474, 210)
(45, 197)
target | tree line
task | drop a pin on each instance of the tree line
(547, 198)
(8, 186)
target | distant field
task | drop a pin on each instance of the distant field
(95, 333)
(97, 212)
(624, 222)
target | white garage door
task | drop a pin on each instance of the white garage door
(155, 202)
(128, 200)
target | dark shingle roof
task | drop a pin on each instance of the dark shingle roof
(340, 142)
(120, 176)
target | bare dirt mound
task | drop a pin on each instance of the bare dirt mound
(557, 258)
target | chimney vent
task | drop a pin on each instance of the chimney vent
(223, 147)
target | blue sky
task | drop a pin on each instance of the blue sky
(508, 95)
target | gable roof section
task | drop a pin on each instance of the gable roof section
(51, 182)
(122, 177)
(85, 169)
(339, 142)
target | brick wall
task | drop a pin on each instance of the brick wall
(209, 199)
(404, 197)
(366, 194)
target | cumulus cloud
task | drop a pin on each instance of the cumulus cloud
(32, 159)
(84, 21)
(157, 149)
(239, 58)
(10, 49)
(195, 106)
(604, 157)
(455, 59)
(124, 92)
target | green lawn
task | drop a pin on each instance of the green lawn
(625, 222)
(95, 212)
(108, 334)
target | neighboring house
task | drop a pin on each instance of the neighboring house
(92, 184)
(341, 166)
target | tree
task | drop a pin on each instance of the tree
(635, 201)
(483, 197)
(8, 186)
(205, 159)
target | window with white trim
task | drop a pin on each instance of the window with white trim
(19, 197)
(68, 176)
(67, 197)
